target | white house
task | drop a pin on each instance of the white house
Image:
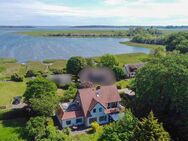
(101, 105)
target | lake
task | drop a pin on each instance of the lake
(24, 47)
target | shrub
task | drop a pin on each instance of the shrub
(95, 126)
(17, 78)
(67, 130)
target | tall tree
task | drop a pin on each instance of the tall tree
(150, 130)
(38, 87)
(162, 86)
(75, 65)
(119, 73)
(36, 128)
(44, 105)
(109, 61)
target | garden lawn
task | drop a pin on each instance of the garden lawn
(9, 89)
(12, 130)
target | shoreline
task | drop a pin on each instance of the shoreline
(149, 46)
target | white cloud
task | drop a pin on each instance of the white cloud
(139, 11)
(114, 2)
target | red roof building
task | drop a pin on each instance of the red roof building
(91, 104)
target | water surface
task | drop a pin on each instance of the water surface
(24, 47)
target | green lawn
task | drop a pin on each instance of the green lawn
(12, 130)
(10, 89)
(150, 46)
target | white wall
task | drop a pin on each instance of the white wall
(73, 122)
(97, 115)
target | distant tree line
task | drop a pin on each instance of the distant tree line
(176, 41)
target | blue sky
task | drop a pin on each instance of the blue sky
(93, 12)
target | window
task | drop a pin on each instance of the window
(102, 118)
(94, 110)
(100, 109)
(68, 122)
(78, 120)
(92, 120)
(112, 105)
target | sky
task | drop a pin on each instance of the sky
(93, 12)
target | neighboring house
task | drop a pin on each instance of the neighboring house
(61, 79)
(101, 105)
(130, 69)
(102, 76)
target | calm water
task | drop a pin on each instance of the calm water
(24, 48)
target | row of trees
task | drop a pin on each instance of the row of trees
(177, 41)
(149, 39)
(76, 64)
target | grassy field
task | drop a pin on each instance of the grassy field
(7, 69)
(129, 58)
(8, 90)
(7, 60)
(150, 46)
(12, 130)
(58, 64)
(36, 65)
(78, 33)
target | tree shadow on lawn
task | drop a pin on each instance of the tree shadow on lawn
(17, 126)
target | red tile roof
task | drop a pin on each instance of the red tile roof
(89, 96)
(69, 115)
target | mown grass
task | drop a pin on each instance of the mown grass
(8, 90)
(12, 130)
(78, 33)
(150, 46)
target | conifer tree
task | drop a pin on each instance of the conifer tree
(149, 129)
